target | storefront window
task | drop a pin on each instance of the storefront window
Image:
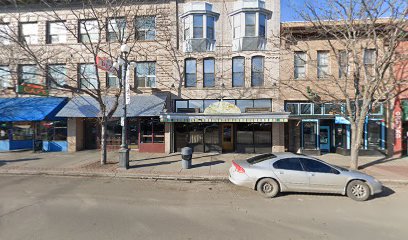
(306, 108)
(263, 103)
(209, 102)
(197, 104)
(374, 134)
(23, 131)
(114, 132)
(245, 137)
(4, 131)
(341, 136)
(158, 131)
(309, 135)
(332, 109)
(53, 131)
(151, 130)
(244, 104)
(133, 135)
(262, 137)
(318, 109)
(181, 139)
(293, 108)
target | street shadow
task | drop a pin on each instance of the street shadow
(172, 155)
(206, 164)
(377, 162)
(153, 164)
(19, 160)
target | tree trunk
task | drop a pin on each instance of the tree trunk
(354, 156)
(104, 152)
(356, 140)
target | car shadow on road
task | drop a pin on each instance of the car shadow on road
(206, 164)
(386, 191)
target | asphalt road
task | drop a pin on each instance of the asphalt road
(42, 207)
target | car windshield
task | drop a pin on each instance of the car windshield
(260, 158)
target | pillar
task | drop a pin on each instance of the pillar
(75, 134)
(278, 137)
(168, 139)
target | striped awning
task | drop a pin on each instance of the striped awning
(242, 117)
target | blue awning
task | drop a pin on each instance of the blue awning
(341, 120)
(30, 108)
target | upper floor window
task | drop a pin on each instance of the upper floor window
(343, 63)
(88, 31)
(209, 72)
(210, 27)
(250, 24)
(257, 74)
(191, 72)
(5, 77)
(238, 71)
(56, 32)
(300, 65)
(4, 34)
(146, 74)
(57, 75)
(369, 57)
(262, 25)
(87, 76)
(237, 26)
(116, 29)
(198, 26)
(145, 28)
(112, 81)
(28, 74)
(29, 33)
(322, 64)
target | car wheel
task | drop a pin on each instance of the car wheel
(358, 190)
(268, 187)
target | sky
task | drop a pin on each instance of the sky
(288, 12)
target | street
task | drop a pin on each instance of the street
(45, 207)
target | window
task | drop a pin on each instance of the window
(244, 104)
(181, 104)
(57, 33)
(5, 131)
(343, 64)
(257, 73)
(322, 64)
(330, 108)
(250, 24)
(306, 108)
(263, 103)
(262, 25)
(146, 74)
(197, 26)
(238, 71)
(29, 33)
(4, 34)
(315, 166)
(300, 65)
(88, 31)
(293, 108)
(5, 77)
(209, 72)
(87, 76)
(23, 130)
(261, 158)
(191, 73)
(151, 130)
(186, 28)
(53, 131)
(116, 29)
(369, 57)
(112, 80)
(29, 74)
(146, 28)
(57, 75)
(237, 26)
(196, 104)
(318, 109)
(210, 27)
(288, 164)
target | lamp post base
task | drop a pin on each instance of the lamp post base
(124, 158)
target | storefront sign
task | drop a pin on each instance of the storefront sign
(34, 89)
(127, 87)
(105, 64)
(222, 107)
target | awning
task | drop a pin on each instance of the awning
(140, 105)
(30, 108)
(341, 120)
(241, 117)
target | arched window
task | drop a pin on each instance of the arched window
(257, 71)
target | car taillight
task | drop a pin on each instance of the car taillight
(238, 168)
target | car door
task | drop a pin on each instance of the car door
(323, 177)
(291, 174)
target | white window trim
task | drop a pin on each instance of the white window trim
(5, 82)
(4, 32)
(147, 76)
(294, 65)
(326, 75)
(189, 21)
(30, 37)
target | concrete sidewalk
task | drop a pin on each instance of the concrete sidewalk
(206, 166)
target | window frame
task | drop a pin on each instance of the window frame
(186, 73)
(50, 83)
(50, 35)
(33, 38)
(147, 76)
(198, 27)
(205, 73)
(89, 34)
(110, 29)
(297, 66)
(21, 74)
(250, 25)
(254, 73)
(4, 32)
(81, 77)
(2, 77)
(147, 30)
(236, 72)
(343, 63)
(321, 73)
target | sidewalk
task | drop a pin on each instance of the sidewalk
(206, 166)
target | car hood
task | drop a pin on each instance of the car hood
(357, 174)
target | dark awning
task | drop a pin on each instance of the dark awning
(239, 117)
(30, 108)
(140, 105)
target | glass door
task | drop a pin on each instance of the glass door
(227, 137)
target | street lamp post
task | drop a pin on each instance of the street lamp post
(124, 150)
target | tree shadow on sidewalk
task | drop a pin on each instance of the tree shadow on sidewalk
(4, 162)
(377, 162)
(153, 164)
(206, 164)
(172, 155)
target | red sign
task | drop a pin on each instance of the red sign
(105, 64)
(30, 88)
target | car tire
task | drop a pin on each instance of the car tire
(358, 190)
(268, 187)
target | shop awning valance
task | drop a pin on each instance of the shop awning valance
(140, 105)
(241, 117)
(30, 108)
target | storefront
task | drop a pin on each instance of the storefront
(220, 126)
(145, 132)
(320, 128)
(31, 121)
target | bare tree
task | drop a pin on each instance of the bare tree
(92, 29)
(362, 38)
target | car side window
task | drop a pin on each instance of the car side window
(315, 166)
(288, 164)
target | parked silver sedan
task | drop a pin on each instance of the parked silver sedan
(270, 174)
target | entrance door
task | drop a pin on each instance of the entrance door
(227, 137)
(90, 134)
(325, 138)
